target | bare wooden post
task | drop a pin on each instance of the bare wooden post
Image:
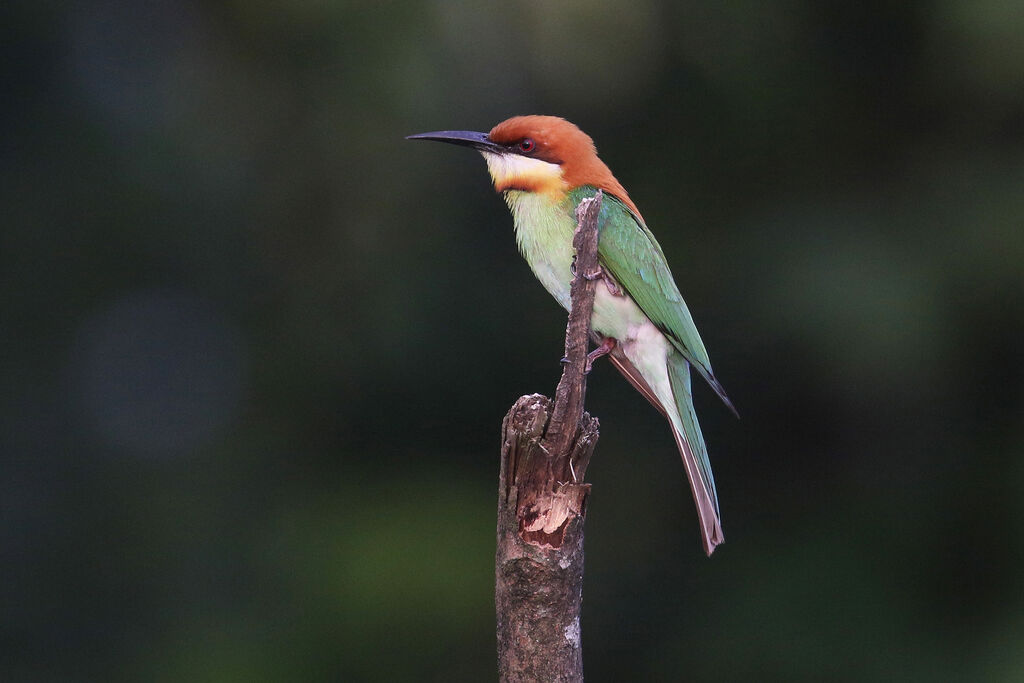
(546, 447)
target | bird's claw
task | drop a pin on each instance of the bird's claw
(604, 349)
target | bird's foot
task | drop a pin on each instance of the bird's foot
(597, 274)
(607, 344)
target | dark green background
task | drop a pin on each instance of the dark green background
(256, 347)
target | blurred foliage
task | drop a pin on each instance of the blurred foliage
(256, 347)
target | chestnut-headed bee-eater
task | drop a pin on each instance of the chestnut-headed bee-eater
(545, 166)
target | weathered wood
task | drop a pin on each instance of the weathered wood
(572, 388)
(546, 447)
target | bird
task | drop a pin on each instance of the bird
(545, 166)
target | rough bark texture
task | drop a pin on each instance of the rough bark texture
(546, 447)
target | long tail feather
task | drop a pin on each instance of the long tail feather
(691, 446)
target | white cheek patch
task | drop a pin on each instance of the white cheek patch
(506, 168)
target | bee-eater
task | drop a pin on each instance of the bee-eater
(545, 166)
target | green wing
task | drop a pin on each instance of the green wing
(628, 250)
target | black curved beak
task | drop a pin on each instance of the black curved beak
(465, 138)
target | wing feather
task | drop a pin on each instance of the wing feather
(632, 255)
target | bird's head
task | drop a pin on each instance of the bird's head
(542, 154)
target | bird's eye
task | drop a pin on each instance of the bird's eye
(527, 145)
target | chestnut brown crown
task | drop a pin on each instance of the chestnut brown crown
(557, 141)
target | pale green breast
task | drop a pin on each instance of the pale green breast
(544, 231)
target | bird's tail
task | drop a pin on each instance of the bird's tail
(690, 441)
